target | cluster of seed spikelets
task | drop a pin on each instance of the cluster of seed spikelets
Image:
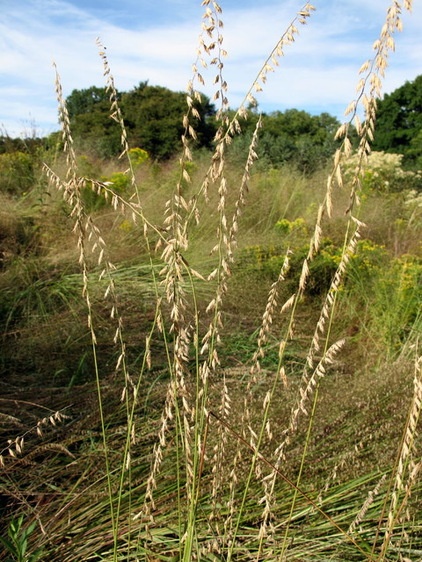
(227, 238)
(407, 469)
(186, 409)
(372, 72)
(84, 227)
(179, 213)
(89, 239)
(16, 447)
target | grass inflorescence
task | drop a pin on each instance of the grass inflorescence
(234, 370)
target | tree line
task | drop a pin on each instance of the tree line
(153, 120)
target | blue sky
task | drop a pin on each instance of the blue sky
(157, 41)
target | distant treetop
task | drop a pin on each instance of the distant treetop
(398, 126)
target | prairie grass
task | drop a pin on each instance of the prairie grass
(217, 403)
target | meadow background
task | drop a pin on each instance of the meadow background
(211, 322)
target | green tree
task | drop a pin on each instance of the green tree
(153, 117)
(399, 123)
(28, 145)
(294, 136)
(91, 124)
(90, 100)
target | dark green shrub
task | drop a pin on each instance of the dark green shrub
(270, 259)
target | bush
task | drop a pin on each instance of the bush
(284, 226)
(384, 173)
(95, 197)
(385, 293)
(270, 259)
(17, 174)
(138, 156)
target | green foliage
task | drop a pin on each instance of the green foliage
(257, 257)
(389, 292)
(138, 156)
(16, 542)
(28, 145)
(19, 236)
(31, 291)
(92, 127)
(95, 197)
(153, 119)
(269, 260)
(90, 100)
(285, 226)
(294, 137)
(119, 182)
(399, 123)
(88, 167)
(369, 258)
(400, 303)
(17, 172)
(384, 292)
(152, 116)
(322, 268)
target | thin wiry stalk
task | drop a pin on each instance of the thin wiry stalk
(272, 61)
(310, 381)
(230, 237)
(15, 447)
(178, 213)
(98, 245)
(315, 240)
(226, 247)
(255, 371)
(168, 413)
(405, 463)
(366, 135)
(72, 195)
(212, 24)
(368, 91)
(230, 127)
(306, 393)
(137, 212)
(287, 38)
(173, 280)
(365, 506)
(313, 505)
(189, 408)
(116, 113)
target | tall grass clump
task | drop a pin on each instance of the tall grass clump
(184, 455)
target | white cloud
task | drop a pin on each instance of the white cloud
(318, 71)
